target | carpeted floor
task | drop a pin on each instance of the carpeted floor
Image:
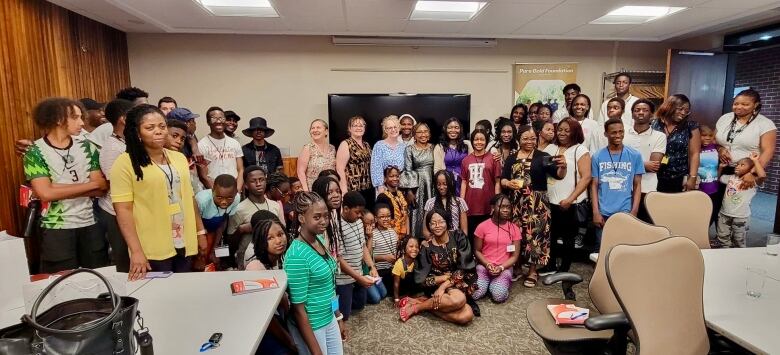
(502, 329)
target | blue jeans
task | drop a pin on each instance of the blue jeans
(376, 293)
(351, 297)
(328, 338)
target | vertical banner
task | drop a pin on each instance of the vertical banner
(542, 83)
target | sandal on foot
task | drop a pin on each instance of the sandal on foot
(402, 303)
(406, 315)
(530, 281)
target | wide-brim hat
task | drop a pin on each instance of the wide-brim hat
(258, 123)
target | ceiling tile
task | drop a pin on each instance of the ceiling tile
(504, 17)
(434, 27)
(315, 23)
(684, 20)
(598, 30)
(562, 19)
(375, 24)
(309, 8)
(398, 9)
(744, 4)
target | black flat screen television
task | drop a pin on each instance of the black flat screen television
(433, 109)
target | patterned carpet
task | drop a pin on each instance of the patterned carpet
(502, 329)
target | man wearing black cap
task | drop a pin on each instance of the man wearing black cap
(259, 152)
(94, 116)
(231, 123)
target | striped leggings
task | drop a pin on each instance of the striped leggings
(497, 285)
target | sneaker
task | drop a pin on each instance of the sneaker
(578, 241)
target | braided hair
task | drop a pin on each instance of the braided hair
(260, 242)
(449, 195)
(301, 203)
(334, 229)
(275, 180)
(139, 157)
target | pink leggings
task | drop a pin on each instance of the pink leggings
(497, 285)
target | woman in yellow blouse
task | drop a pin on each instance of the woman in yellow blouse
(152, 195)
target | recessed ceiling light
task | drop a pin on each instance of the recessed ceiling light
(247, 8)
(765, 37)
(635, 15)
(446, 10)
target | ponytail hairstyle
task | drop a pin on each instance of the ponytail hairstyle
(335, 232)
(260, 242)
(301, 203)
(139, 158)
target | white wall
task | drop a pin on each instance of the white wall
(286, 79)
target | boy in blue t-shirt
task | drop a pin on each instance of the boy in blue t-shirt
(216, 205)
(617, 177)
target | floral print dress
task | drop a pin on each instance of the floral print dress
(531, 213)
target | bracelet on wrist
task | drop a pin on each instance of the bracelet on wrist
(202, 232)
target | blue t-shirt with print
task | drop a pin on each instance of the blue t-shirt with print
(210, 213)
(615, 174)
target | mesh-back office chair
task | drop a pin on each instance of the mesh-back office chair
(621, 228)
(685, 214)
(660, 287)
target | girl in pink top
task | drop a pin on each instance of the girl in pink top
(497, 248)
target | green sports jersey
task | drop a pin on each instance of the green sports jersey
(64, 166)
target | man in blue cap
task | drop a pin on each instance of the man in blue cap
(259, 152)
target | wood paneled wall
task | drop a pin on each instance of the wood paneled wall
(45, 51)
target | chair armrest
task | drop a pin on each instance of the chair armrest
(562, 277)
(607, 321)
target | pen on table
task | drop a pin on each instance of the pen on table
(578, 315)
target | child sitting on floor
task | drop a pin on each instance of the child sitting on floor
(403, 270)
(734, 214)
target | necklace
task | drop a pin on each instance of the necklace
(614, 168)
(734, 131)
(67, 159)
(528, 156)
(220, 151)
(168, 175)
(267, 207)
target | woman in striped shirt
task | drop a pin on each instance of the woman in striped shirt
(311, 273)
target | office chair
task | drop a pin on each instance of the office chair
(685, 214)
(608, 332)
(660, 288)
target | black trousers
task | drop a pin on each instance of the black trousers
(119, 254)
(65, 249)
(564, 226)
(177, 263)
(670, 185)
(643, 215)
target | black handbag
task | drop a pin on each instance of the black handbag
(85, 326)
(583, 211)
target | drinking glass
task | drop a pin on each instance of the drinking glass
(754, 281)
(773, 244)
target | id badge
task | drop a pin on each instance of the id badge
(174, 208)
(665, 160)
(222, 251)
(510, 248)
(334, 303)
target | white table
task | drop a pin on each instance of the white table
(751, 323)
(184, 310)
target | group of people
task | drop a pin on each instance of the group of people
(434, 225)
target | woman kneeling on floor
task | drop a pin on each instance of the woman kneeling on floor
(496, 248)
(445, 269)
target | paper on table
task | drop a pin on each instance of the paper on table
(15, 273)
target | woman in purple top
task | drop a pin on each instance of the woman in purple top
(451, 150)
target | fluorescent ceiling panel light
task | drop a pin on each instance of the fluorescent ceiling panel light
(628, 15)
(241, 8)
(446, 10)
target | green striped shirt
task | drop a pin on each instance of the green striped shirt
(310, 281)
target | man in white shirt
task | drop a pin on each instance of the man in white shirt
(650, 143)
(622, 84)
(569, 92)
(224, 154)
